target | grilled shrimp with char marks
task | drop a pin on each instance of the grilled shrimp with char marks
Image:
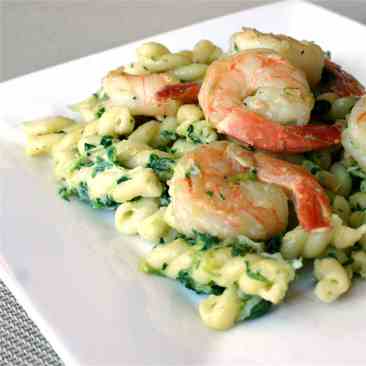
(225, 190)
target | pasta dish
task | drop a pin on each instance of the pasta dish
(238, 166)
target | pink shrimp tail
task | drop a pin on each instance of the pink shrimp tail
(184, 92)
(341, 82)
(311, 203)
(253, 129)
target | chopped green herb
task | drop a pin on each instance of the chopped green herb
(99, 112)
(105, 202)
(112, 154)
(122, 179)
(168, 149)
(163, 167)
(257, 275)
(187, 281)
(165, 198)
(210, 193)
(101, 165)
(106, 141)
(236, 48)
(311, 167)
(168, 135)
(242, 245)
(88, 148)
(192, 136)
(250, 174)
(83, 192)
(254, 307)
(206, 241)
(66, 193)
(82, 162)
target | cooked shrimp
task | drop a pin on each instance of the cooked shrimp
(354, 136)
(304, 55)
(225, 190)
(336, 80)
(274, 94)
(138, 93)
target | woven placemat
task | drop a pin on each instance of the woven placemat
(21, 343)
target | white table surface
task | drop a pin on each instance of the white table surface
(38, 34)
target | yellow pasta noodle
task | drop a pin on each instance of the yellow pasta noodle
(221, 312)
(42, 144)
(333, 279)
(46, 126)
(129, 215)
(154, 227)
(142, 182)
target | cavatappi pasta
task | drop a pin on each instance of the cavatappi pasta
(184, 174)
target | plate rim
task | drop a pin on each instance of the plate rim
(6, 273)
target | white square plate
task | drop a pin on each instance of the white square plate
(78, 278)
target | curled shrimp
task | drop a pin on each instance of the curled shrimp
(354, 136)
(225, 190)
(138, 93)
(256, 96)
